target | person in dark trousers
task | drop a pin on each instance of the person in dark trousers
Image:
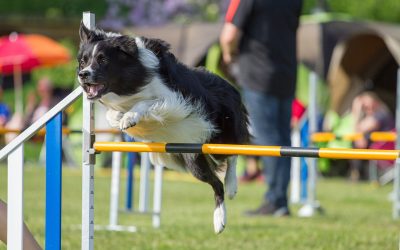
(259, 36)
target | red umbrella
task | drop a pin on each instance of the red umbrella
(22, 53)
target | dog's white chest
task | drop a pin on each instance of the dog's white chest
(169, 118)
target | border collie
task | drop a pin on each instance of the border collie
(153, 97)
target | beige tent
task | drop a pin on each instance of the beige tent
(316, 41)
(189, 43)
(367, 59)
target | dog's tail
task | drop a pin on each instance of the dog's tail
(243, 125)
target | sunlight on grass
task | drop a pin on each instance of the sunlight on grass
(357, 216)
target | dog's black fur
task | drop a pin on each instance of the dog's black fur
(112, 63)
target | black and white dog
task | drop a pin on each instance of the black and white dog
(153, 97)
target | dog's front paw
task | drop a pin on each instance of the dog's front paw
(113, 117)
(130, 119)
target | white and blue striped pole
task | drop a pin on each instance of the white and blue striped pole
(53, 182)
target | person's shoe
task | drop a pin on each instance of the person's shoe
(246, 178)
(268, 209)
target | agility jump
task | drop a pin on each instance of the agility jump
(230, 149)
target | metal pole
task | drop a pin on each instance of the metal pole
(157, 196)
(53, 182)
(15, 199)
(396, 181)
(144, 183)
(295, 171)
(312, 129)
(88, 161)
(309, 209)
(114, 195)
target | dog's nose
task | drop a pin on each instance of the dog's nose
(83, 74)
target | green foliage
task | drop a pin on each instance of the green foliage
(52, 8)
(379, 10)
(382, 10)
(388, 10)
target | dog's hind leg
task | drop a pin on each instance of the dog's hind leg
(200, 169)
(230, 177)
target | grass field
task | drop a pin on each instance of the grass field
(357, 216)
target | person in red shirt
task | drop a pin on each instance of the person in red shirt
(259, 36)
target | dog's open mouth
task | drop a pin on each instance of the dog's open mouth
(93, 91)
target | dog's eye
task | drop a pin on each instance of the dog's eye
(83, 61)
(101, 59)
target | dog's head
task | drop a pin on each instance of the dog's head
(109, 62)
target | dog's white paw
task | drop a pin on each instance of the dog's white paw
(219, 218)
(130, 119)
(113, 117)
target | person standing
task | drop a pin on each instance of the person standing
(259, 36)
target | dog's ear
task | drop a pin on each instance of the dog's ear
(158, 46)
(88, 35)
(84, 33)
(126, 44)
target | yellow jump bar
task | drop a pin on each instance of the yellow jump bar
(233, 149)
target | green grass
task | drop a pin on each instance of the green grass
(357, 216)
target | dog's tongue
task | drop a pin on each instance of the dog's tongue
(93, 90)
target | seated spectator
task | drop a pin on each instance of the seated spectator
(370, 114)
(36, 109)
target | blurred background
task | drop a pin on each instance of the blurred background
(351, 46)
